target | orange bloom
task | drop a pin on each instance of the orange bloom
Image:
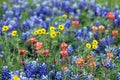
(39, 46)
(75, 23)
(64, 53)
(94, 28)
(32, 40)
(64, 45)
(115, 33)
(80, 62)
(110, 16)
(63, 67)
(22, 51)
(96, 79)
(110, 55)
(92, 64)
(90, 57)
(101, 27)
(45, 52)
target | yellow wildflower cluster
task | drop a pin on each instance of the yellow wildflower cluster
(93, 45)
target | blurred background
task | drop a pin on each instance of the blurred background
(111, 2)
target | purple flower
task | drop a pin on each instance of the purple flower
(6, 73)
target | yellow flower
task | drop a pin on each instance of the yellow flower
(94, 46)
(88, 45)
(61, 27)
(53, 35)
(36, 32)
(39, 31)
(15, 77)
(43, 31)
(14, 33)
(64, 15)
(95, 42)
(58, 33)
(52, 28)
(5, 28)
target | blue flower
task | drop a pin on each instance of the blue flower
(6, 73)
(51, 74)
(89, 78)
(69, 73)
(58, 76)
(118, 76)
(77, 77)
(25, 36)
(44, 77)
(31, 69)
(42, 69)
(70, 50)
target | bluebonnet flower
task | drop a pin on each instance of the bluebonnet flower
(25, 36)
(9, 14)
(56, 3)
(82, 4)
(42, 69)
(77, 77)
(69, 73)
(38, 8)
(58, 76)
(66, 6)
(118, 76)
(89, 78)
(109, 64)
(44, 77)
(74, 59)
(25, 26)
(31, 69)
(6, 73)
(70, 50)
(4, 6)
(51, 74)
(98, 64)
(67, 23)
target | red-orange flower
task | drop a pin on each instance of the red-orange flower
(110, 16)
(80, 62)
(92, 64)
(115, 33)
(75, 23)
(90, 57)
(96, 78)
(63, 67)
(39, 46)
(64, 45)
(64, 53)
(101, 28)
(94, 28)
(32, 40)
(110, 55)
(22, 51)
(45, 52)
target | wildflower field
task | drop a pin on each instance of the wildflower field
(59, 40)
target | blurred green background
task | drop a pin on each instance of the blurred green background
(111, 2)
